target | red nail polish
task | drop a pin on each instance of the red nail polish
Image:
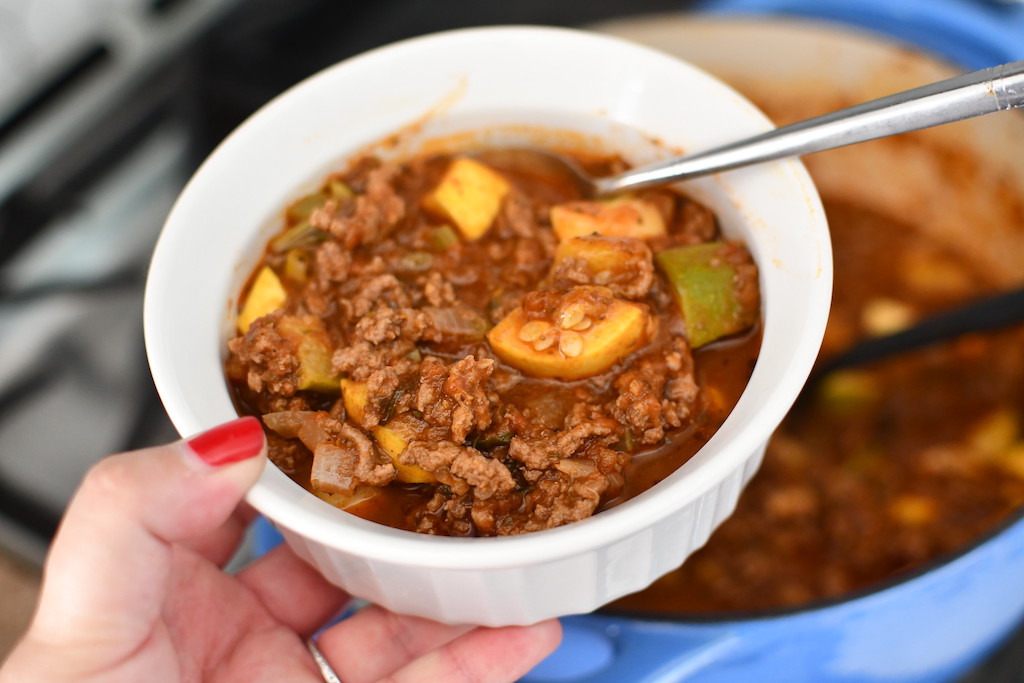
(233, 441)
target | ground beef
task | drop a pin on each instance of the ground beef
(520, 262)
(360, 358)
(287, 454)
(433, 456)
(389, 324)
(269, 358)
(486, 475)
(433, 373)
(364, 294)
(446, 515)
(546, 449)
(457, 396)
(332, 264)
(657, 394)
(530, 259)
(381, 388)
(638, 404)
(487, 513)
(553, 502)
(503, 304)
(437, 290)
(517, 219)
(746, 283)
(373, 214)
(383, 339)
(466, 385)
(557, 499)
(696, 223)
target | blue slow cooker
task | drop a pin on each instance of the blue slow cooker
(927, 626)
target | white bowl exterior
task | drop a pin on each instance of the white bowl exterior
(623, 95)
(571, 584)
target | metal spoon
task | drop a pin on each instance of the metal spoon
(973, 94)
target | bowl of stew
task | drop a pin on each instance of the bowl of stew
(883, 536)
(490, 399)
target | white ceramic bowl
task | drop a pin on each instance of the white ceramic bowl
(614, 94)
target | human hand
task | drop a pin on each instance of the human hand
(133, 590)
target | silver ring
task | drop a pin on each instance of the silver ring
(326, 670)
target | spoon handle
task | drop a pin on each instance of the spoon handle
(973, 94)
(980, 315)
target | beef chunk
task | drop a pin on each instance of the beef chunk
(384, 339)
(545, 449)
(437, 290)
(457, 396)
(332, 264)
(696, 223)
(270, 361)
(555, 500)
(389, 324)
(365, 293)
(486, 475)
(656, 394)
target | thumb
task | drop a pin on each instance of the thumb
(109, 566)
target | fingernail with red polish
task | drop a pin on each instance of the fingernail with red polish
(233, 441)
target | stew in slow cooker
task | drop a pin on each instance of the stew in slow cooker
(454, 347)
(882, 467)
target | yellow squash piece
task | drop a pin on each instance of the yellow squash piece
(266, 296)
(601, 253)
(354, 395)
(619, 217)
(314, 351)
(470, 195)
(622, 330)
(393, 438)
